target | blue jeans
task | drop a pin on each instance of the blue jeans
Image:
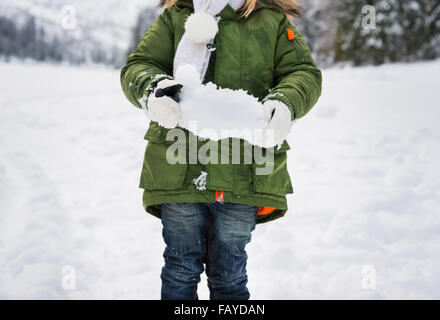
(214, 234)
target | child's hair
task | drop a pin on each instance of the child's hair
(290, 7)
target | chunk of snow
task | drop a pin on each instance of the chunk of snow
(219, 113)
(200, 182)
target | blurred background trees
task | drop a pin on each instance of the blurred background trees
(144, 21)
(405, 30)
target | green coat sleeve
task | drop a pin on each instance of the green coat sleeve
(297, 79)
(152, 61)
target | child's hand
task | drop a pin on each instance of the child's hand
(278, 116)
(163, 103)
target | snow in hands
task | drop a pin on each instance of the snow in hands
(219, 113)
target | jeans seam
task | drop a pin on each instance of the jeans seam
(211, 259)
(195, 292)
(204, 243)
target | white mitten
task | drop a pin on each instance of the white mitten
(279, 117)
(163, 103)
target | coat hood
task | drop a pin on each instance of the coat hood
(228, 13)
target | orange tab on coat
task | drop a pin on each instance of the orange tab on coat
(290, 34)
(219, 196)
(262, 211)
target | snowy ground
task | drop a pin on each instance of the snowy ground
(364, 165)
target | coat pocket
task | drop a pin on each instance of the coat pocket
(272, 177)
(158, 173)
(220, 177)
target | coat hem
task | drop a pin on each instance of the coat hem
(153, 200)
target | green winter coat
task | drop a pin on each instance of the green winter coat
(254, 54)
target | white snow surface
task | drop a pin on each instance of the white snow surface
(364, 164)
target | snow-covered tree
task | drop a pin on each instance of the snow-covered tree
(405, 30)
(319, 26)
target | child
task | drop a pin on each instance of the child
(208, 210)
